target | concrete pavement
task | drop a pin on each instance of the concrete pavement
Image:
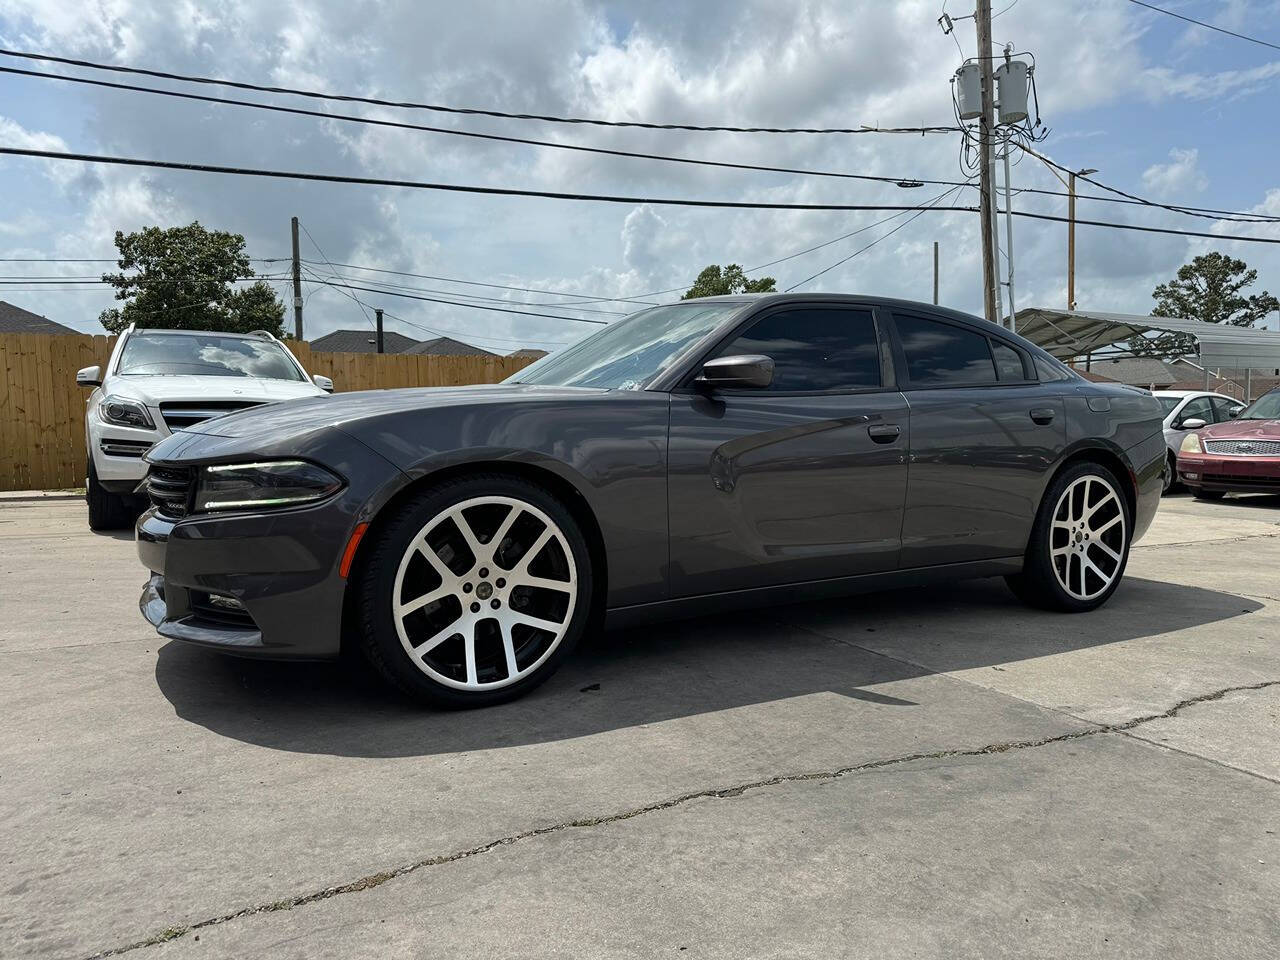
(934, 773)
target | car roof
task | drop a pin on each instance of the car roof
(1193, 393)
(199, 333)
(767, 299)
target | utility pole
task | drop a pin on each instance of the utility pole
(986, 137)
(1071, 234)
(935, 273)
(1008, 246)
(377, 319)
(297, 282)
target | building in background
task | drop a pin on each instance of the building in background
(447, 347)
(16, 320)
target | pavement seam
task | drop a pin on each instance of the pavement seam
(373, 880)
(1196, 543)
(1199, 756)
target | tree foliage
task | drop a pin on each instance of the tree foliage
(1209, 289)
(184, 278)
(714, 282)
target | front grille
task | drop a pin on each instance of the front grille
(179, 415)
(170, 489)
(1235, 480)
(1244, 448)
(124, 448)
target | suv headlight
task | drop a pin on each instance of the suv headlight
(272, 483)
(124, 412)
(1190, 444)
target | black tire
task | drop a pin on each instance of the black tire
(107, 511)
(1208, 494)
(1038, 584)
(1170, 478)
(375, 581)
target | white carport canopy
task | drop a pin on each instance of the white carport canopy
(1074, 333)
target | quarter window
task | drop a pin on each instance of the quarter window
(1008, 361)
(944, 355)
(814, 349)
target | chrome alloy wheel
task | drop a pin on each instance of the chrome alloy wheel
(1087, 540)
(484, 593)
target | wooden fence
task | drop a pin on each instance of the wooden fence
(42, 410)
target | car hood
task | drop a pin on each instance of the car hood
(345, 408)
(1242, 430)
(155, 389)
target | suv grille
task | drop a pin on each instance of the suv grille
(170, 489)
(179, 415)
(1244, 448)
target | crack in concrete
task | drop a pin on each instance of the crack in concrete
(372, 880)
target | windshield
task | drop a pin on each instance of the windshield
(628, 354)
(1169, 403)
(1266, 407)
(204, 355)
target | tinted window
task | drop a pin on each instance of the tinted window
(1222, 408)
(204, 355)
(1197, 408)
(939, 354)
(815, 349)
(1008, 361)
(1050, 370)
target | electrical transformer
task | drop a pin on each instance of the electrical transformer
(969, 91)
(1011, 91)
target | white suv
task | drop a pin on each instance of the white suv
(159, 381)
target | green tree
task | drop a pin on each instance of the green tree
(184, 278)
(1210, 289)
(714, 282)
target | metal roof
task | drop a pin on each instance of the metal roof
(1073, 333)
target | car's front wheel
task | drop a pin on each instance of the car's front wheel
(475, 591)
(1079, 544)
(107, 511)
(1201, 494)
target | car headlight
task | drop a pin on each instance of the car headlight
(272, 483)
(1190, 444)
(124, 412)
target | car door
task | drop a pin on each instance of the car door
(984, 433)
(1197, 408)
(1225, 409)
(802, 480)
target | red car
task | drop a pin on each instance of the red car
(1240, 455)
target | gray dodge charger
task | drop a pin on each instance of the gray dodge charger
(714, 453)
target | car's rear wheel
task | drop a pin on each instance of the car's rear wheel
(107, 511)
(1170, 476)
(475, 592)
(1079, 543)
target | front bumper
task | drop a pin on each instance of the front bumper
(1233, 474)
(280, 567)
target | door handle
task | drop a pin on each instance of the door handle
(884, 432)
(1042, 415)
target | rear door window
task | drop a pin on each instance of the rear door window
(944, 354)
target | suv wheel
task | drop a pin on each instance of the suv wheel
(1079, 544)
(107, 511)
(475, 592)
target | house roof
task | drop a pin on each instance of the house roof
(1136, 371)
(447, 347)
(1092, 375)
(362, 341)
(529, 352)
(16, 320)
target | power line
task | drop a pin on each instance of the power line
(453, 132)
(864, 249)
(1207, 26)
(587, 197)
(469, 111)
(449, 334)
(457, 303)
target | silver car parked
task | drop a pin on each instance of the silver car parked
(1186, 410)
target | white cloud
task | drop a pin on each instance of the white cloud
(1182, 175)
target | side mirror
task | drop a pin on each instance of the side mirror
(1195, 423)
(324, 383)
(1234, 412)
(89, 377)
(742, 371)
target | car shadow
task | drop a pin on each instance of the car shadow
(671, 670)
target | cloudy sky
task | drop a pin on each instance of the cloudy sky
(1161, 108)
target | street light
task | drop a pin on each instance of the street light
(1071, 235)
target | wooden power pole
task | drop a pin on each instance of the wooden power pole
(377, 314)
(986, 185)
(297, 282)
